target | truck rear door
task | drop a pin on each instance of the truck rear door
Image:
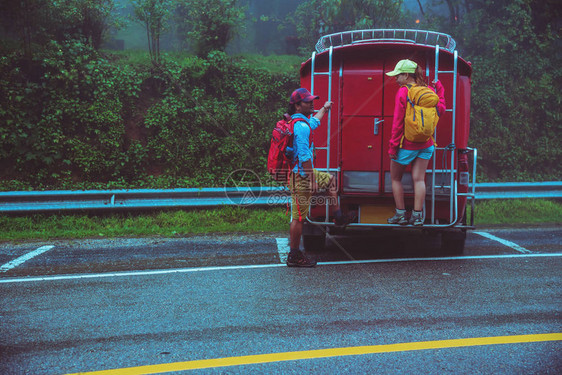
(362, 127)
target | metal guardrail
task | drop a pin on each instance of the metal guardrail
(38, 201)
(520, 190)
(54, 200)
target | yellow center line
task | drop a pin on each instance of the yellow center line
(325, 353)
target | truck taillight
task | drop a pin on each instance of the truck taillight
(463, 179)
(463, 168)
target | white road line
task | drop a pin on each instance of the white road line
(283, 249)
(136, 273)
(24, 258)
(513, 245)
(261, 266)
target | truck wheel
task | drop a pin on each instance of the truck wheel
(314, 242)
(453, 242)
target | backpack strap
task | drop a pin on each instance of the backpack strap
(295, 120)
(409, 86)
(311, 131)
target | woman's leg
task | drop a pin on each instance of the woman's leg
(396, 173)
(418, 176)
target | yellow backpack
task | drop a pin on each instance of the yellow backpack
(421, 114)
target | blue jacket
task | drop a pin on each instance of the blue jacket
(302, 147)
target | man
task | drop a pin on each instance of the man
(304, 179)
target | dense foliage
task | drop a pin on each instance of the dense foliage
(37, 22)
(208, 25)
(153, 15)
(72, 116)
(64, 115)
(515, 118)
(315, 18)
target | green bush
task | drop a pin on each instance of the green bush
(72, 117)
(215, 119)
(208, 25)
(515, 111)
(64, 115)
(75, 118)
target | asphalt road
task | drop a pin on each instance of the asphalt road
(375, 304)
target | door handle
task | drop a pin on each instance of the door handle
(376, 128)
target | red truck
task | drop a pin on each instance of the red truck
(348, 68)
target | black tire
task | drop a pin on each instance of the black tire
(452, 243)
(314, 242)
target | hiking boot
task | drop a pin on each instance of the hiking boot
(398, 218)
(416, 219)
(298, 259)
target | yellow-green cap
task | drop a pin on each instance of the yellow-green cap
(403, 66)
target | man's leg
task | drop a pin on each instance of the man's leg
(297, 258)
(295, 234)
(300, 200)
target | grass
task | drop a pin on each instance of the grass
(518, 211)
(165, 223)
(230, 219)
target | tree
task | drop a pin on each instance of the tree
(315, 18)
(38, 22)
(208, 25)
(25, 20)
(95, 18)
(454, 11)
(515, 115)
(154, 15)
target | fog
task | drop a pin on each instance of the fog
(267, 29)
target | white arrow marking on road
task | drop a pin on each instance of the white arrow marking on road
(283, 248)
(24, 258)
(513, 245)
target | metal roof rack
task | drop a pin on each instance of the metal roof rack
(400, 36)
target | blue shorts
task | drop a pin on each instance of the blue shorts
(405, 157)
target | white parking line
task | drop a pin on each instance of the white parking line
(283, 249)
(513, 245)
(24, 258)
(262, 266)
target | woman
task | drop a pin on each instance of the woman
(404, 152)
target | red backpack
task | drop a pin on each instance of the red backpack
(279, 163)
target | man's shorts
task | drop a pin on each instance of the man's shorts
(405, 157)
(301, 192)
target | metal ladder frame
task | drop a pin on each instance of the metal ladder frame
(329, 73)
(453, 203)
(453, 193)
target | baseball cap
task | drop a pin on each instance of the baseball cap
(302, 95)
(403, 66)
